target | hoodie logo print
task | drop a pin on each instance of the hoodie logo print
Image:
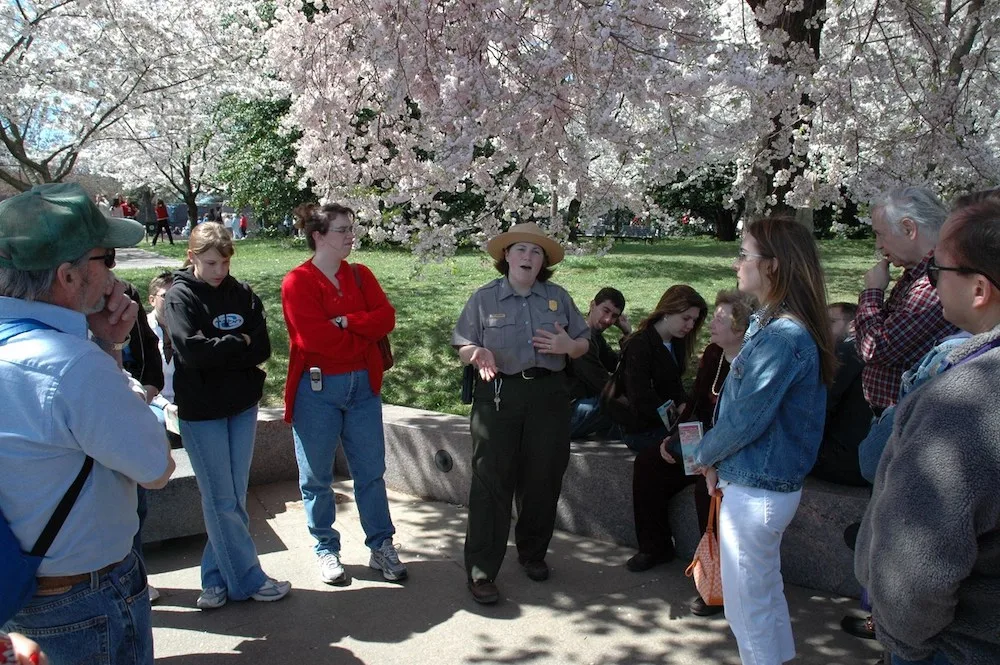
(227, 321)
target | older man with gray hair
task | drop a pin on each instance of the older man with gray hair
(894, 333)
(72, 427)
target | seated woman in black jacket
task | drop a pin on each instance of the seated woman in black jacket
(655, 357)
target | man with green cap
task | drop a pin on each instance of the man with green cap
(69, 412)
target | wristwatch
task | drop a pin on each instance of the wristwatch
(113, 346)
(340, 322)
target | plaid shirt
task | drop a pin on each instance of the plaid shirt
(892, 336)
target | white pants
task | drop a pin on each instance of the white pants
(751, 524)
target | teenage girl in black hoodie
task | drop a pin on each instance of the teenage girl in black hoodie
(219, 334)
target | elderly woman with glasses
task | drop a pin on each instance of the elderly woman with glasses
(336, 313)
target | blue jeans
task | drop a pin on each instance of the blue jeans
(220, 452)
(348, 410)
(102, 620)
(936, 659)
(587, 418)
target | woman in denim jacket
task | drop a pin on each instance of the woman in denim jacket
(769, 425)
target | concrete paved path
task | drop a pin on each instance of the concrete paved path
(591, 611)
(136, 257)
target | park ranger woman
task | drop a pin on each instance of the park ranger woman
(517, 331)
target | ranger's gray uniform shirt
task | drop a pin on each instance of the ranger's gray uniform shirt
(497, 318)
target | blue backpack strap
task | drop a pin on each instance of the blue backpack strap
(14, 327)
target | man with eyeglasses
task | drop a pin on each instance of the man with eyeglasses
(70, 411)
(894, 333)
(929, 546)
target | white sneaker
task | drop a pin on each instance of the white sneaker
(212, 598)
(386, 559)
(331, 570)
(272, 590)
(154, 593)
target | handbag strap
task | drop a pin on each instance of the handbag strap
(357, 280)
(713, 514)
(62, 510)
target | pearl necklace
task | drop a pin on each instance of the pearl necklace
(718, 371)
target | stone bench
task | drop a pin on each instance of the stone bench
(428, 454)
(175, 510)
(596, 499)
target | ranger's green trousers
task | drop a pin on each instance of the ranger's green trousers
(519, 452)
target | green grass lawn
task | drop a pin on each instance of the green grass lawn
(429, 296)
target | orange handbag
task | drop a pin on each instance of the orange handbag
(706, 567)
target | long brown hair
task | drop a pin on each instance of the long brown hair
(797, 283)
(677, 299)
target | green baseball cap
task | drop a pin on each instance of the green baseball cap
(57, 222)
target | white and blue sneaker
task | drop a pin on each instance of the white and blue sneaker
(386, 559)
(331, 570)
(272, 590)
(212, 598)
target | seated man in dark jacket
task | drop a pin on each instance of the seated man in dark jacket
(590, 372)
(848, 415)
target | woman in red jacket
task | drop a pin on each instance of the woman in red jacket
(336, 313)
(162, 222)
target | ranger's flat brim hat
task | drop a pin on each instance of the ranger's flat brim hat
(526, 232)
(54, 223)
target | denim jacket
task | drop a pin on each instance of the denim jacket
(769, 422)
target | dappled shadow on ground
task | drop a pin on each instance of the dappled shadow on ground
(591, 610)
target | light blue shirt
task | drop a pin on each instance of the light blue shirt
(64, 398)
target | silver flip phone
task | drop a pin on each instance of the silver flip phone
(316, 379)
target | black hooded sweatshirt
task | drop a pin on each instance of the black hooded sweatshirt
(216, 373)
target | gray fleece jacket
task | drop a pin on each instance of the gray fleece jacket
(929, 546)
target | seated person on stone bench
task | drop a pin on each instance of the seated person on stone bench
(848, 416)
(657, 475)
(588, 373)
(157, 320)
(655, 358)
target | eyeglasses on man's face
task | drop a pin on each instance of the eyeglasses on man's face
(108, 257)
(347, 228)
(934, 272)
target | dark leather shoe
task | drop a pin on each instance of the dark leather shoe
(536, 570)
(644, 561)
(484, 592)
(700, 608)
(863, 628)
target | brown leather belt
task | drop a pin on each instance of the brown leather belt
(45, 583)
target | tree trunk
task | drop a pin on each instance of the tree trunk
(804, 28)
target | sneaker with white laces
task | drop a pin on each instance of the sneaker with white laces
(272, 590)
(212, 598)
(386, 559)
(331, 570)
(154, 593)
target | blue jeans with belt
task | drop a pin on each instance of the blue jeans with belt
(344, 410)
(105, 619)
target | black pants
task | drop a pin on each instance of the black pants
(519, 453)
(654, 483)
(163, 225)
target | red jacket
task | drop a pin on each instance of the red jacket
(310, 302)
(161, 212)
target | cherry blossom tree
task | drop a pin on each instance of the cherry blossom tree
(595, 103)
(71, 70)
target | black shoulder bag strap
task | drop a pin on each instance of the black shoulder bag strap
(62, 510)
